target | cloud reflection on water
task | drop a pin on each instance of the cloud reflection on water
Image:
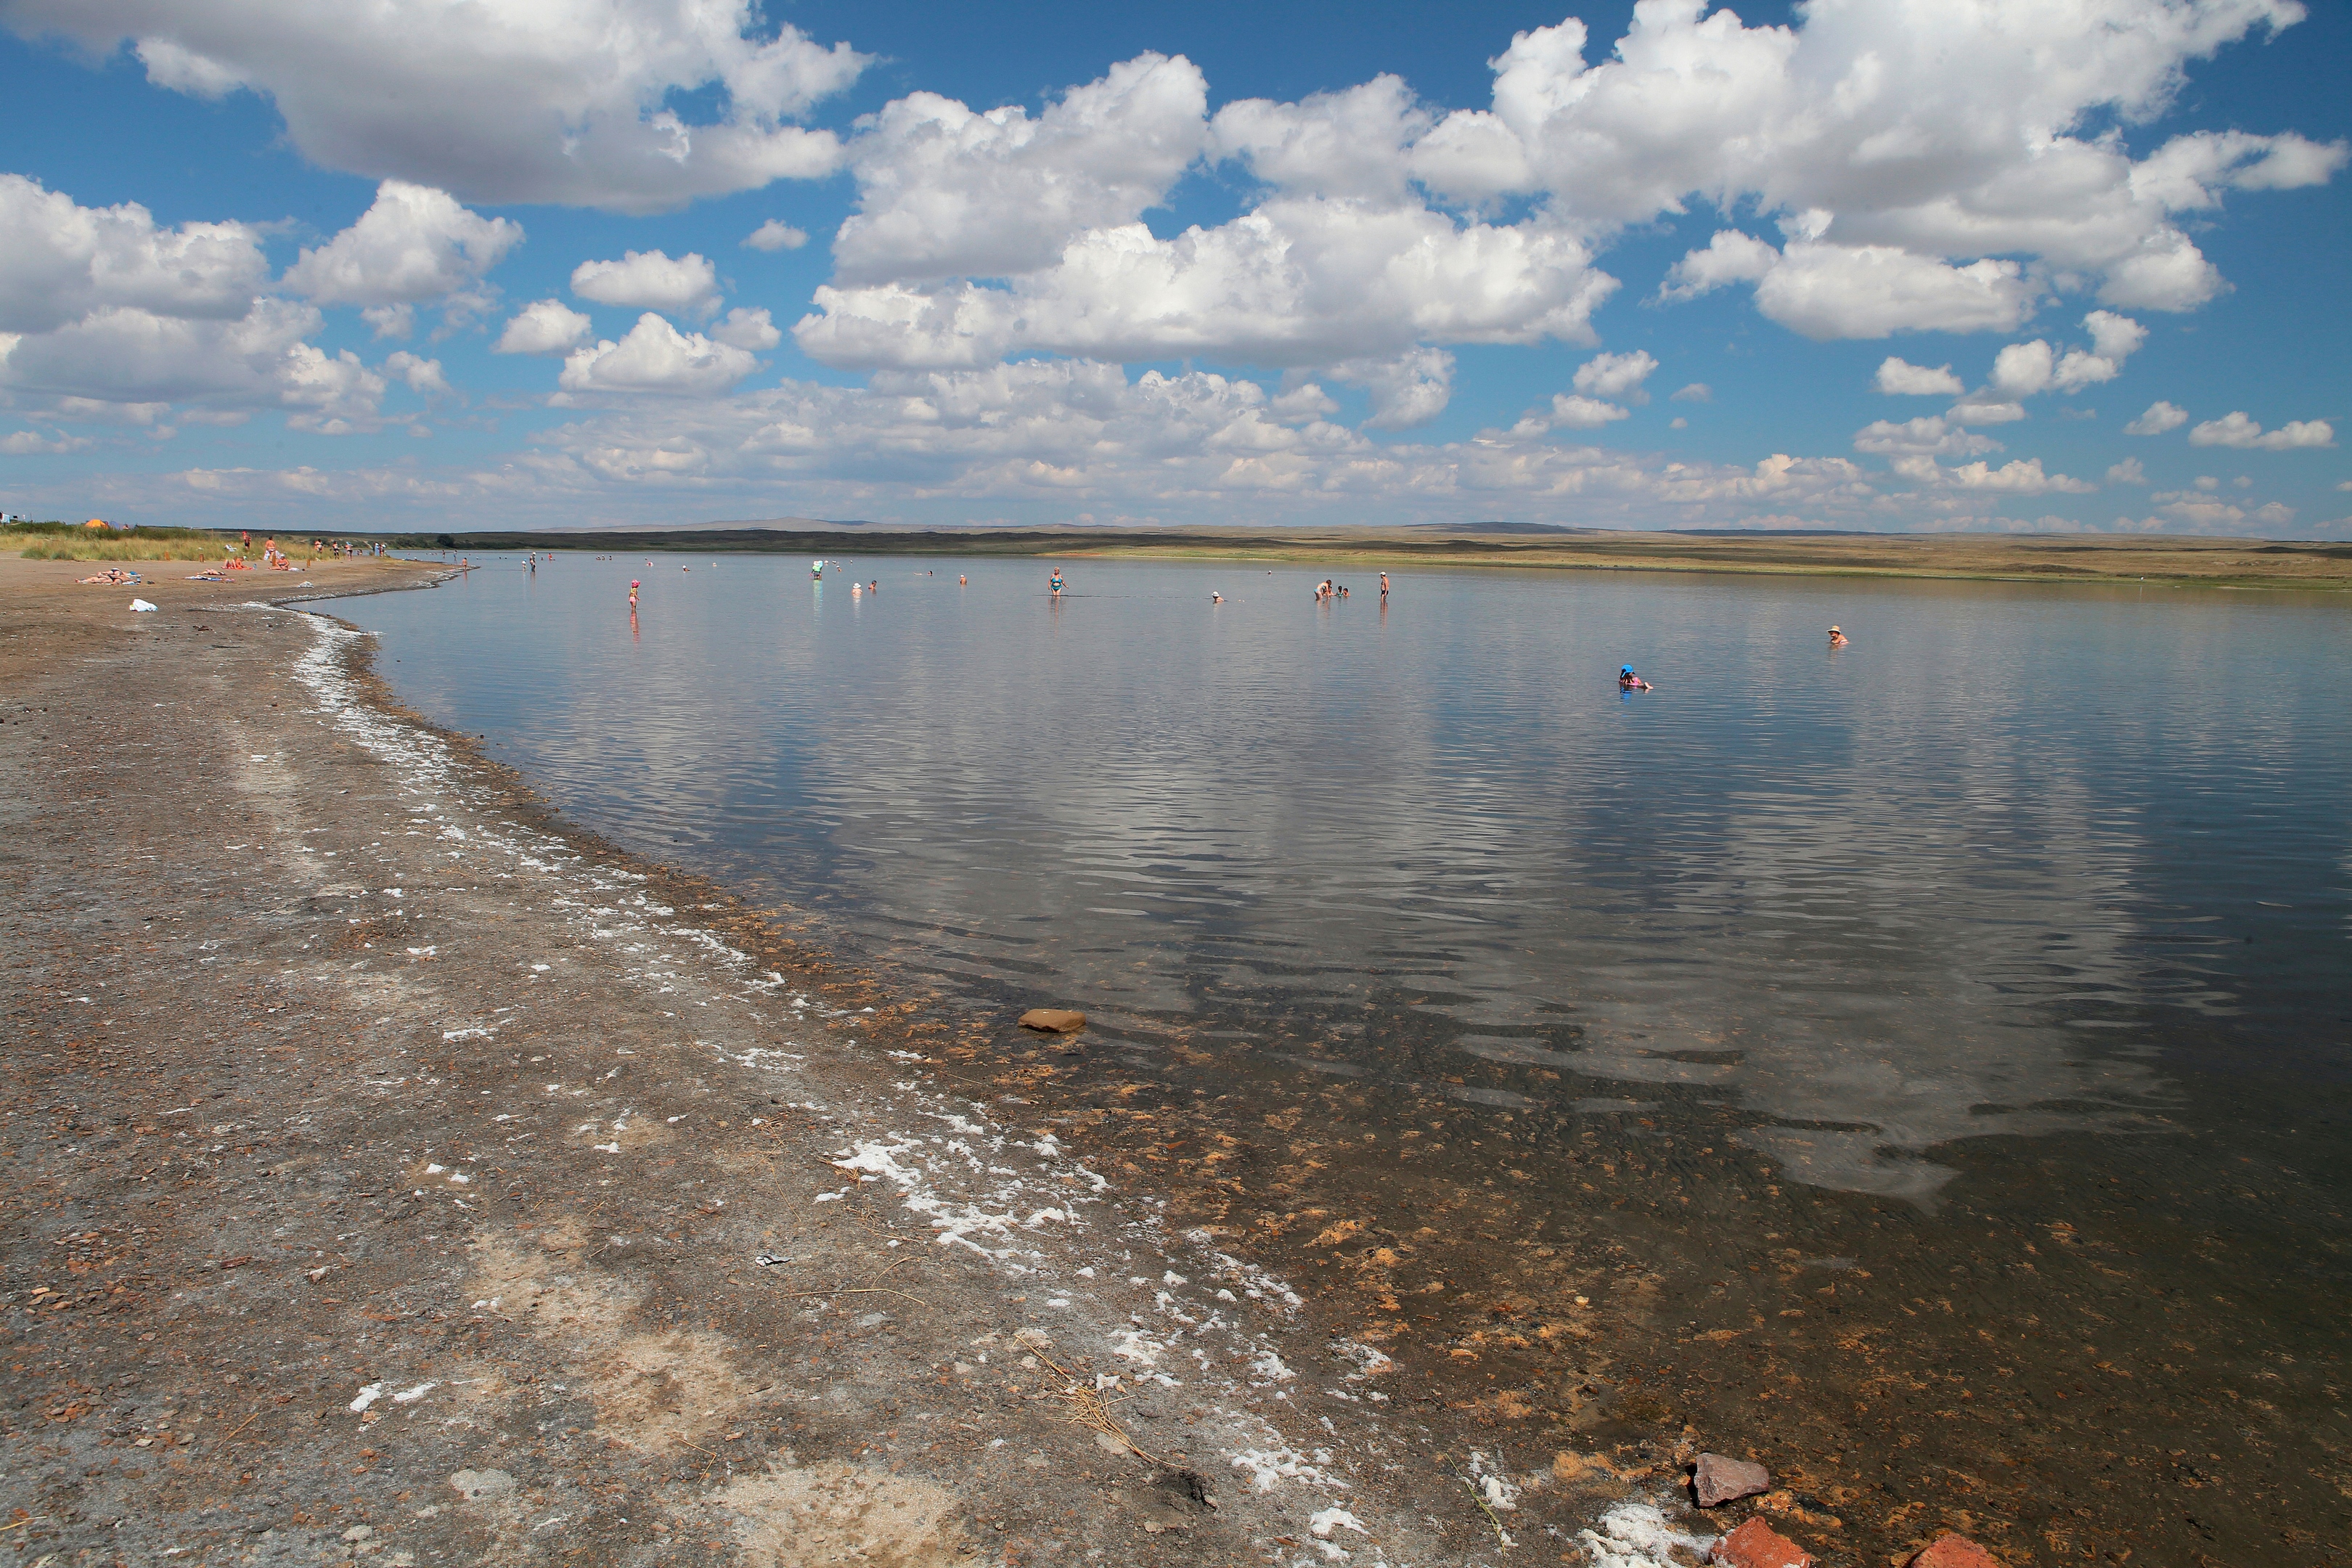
(1872, 899)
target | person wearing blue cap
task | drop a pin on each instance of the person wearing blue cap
(1629, 681)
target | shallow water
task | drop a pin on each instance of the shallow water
(2030, 908)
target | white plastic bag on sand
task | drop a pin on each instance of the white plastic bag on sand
(141, 605)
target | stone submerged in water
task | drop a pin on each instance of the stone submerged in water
(1756, 1545)
(1954, 1552)
(1054, 1020)
(1717, 1479)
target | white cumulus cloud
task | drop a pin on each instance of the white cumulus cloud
(776, 234)
(413, 244)
(2235, 429)
(423, 376)
(499, 101)
(947, 192)
(657, 357)
(1575, 413)
(1410, 390)
(1295, 282)
(1985, 410)
(1730, 257)
(2160, 417)
(60, 261)
(1900, 378)
(2021, 477)
(1929, 435)
(1616, 375)
(1872, 290)
(651, 280)
(748, 328)
(543, 327)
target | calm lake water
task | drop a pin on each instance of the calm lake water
(2012, 941)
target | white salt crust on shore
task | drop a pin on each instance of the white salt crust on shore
(1103, 1277)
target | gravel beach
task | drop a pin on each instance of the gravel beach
(395, 1174)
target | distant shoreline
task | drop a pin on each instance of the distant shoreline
(2031, 558)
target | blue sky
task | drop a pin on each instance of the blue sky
(1873, 264)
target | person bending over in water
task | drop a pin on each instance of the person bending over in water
(1629, 681)
(1838, 638)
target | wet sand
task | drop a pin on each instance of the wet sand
(395, 1174)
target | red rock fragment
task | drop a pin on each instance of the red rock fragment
(1954, 1552)
(1756, 1545)
(1054, 1020)
(1717, 1479)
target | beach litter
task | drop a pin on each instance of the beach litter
(142, 605)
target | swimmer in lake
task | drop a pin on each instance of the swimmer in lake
(1838, 638)
(1216, 599)
(1054, 583)
(1629, 681)
(961, 580)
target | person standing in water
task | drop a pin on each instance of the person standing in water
(1384, 586)
(1054, 583)
(633, 596)
(816, 571)
(1838, 638)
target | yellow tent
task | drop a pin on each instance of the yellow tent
(96, 522)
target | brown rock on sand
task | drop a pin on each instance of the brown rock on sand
(1054, 1020)
(1717, 1479)
(1954, 1552)
(1756, 1545)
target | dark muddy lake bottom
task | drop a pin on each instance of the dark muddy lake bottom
(1922, 1063)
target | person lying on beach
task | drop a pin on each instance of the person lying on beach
(1629, 681)
(113, 575)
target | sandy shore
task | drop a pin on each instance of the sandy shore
(395, 1174)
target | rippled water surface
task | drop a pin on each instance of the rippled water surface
(2027, 888)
